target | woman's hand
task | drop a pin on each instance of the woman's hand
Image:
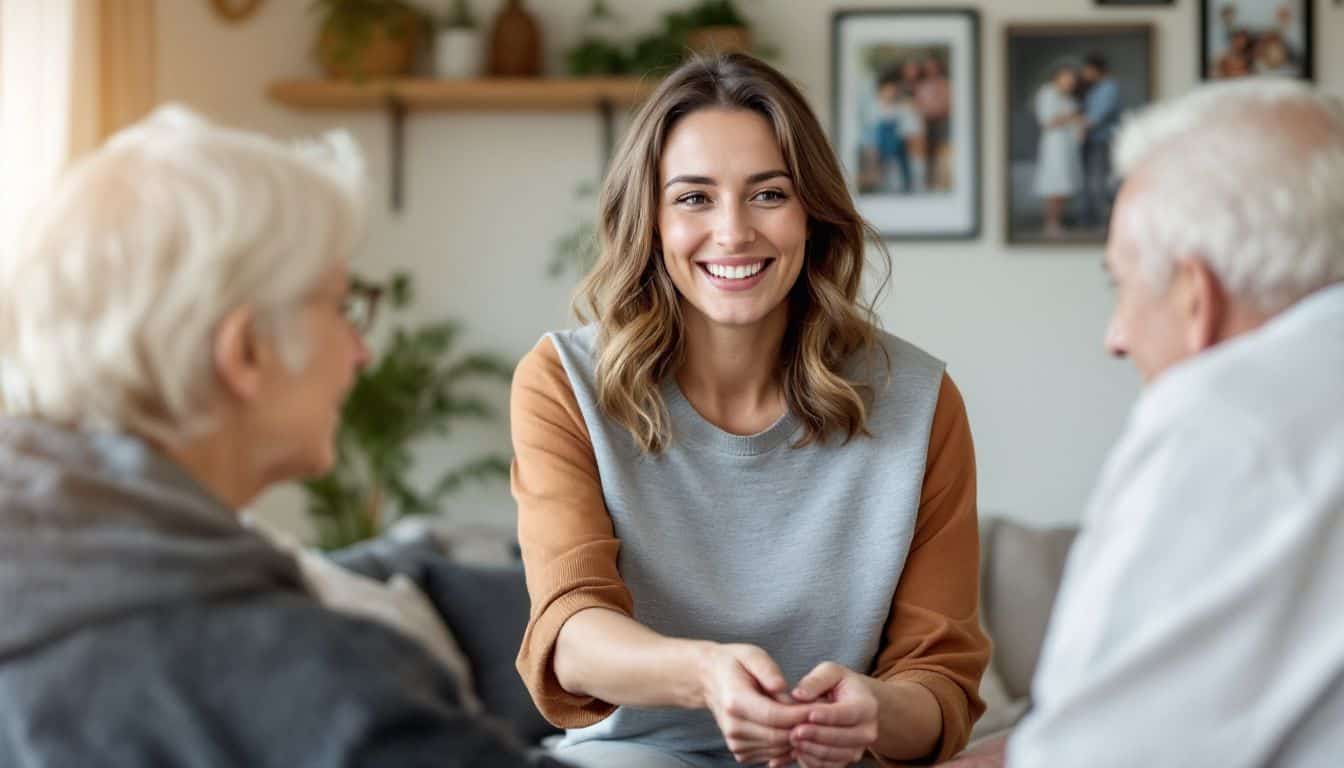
(842, 723)
(748, 696)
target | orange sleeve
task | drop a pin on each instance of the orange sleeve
(933, 635)
(568, 544)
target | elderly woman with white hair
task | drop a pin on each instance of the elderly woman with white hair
(176, 335)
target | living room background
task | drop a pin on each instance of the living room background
(488, 193)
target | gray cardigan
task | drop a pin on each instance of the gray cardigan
(142, 625)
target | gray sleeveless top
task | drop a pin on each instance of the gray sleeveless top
(747, 539)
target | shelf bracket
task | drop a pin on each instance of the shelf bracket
(396, 115)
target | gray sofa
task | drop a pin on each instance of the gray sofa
(1020, 569)
(475, 582)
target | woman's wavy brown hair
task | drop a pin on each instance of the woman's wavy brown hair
(636, 306)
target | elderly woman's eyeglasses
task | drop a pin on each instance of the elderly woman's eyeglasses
(361, 304)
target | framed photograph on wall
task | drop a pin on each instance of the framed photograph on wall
(1240, 38)
(1068, 87)
(906, 118)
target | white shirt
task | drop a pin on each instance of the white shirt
(1201, 617)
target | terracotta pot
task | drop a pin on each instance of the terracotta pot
(515, 44)
(389, 51)
(712, 40)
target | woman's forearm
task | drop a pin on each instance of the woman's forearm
(608, 655)
(909, 720)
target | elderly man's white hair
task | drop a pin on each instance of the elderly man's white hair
(1247, 176)
(109, 301)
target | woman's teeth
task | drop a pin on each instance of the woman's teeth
(734, 273)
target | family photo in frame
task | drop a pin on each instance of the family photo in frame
(906, 97)
(1241, 38)
(1068, 87)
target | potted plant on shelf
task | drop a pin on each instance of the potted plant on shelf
(360, 39)
(457, 45)
(715, 26)
(414, 389)
(599, 52)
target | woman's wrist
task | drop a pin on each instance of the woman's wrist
(699, 659)
(909, 720)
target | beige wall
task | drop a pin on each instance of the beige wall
(488, 194)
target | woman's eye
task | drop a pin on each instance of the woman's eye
(693, 198)
(771, 196)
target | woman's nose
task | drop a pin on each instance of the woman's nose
(733, 230)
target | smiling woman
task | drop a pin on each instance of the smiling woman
(732, 242)
(702, 457)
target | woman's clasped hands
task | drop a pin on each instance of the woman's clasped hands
(827, 720)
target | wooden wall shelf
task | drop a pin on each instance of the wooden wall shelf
(483, 94)
(400, 96)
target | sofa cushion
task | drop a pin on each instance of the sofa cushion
(1020, 572)
(486, 607)
(382, 557)
(365, 581)
(483, 604)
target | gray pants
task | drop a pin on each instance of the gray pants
(627, 754)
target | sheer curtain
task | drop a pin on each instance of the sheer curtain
(71, 73)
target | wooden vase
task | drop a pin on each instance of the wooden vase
(515, 44)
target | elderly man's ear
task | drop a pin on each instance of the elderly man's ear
(239, 354)
(1202, 304)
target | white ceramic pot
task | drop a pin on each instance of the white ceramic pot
(457, 53)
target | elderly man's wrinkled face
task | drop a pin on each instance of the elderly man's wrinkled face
(304, 406)
(1146, 325)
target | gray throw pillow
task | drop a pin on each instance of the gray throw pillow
(486, 607)
(1021, 568)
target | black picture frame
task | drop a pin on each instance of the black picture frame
(1301, 34)
(1033, 54)
(947, 203)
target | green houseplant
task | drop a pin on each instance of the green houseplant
(708, 26)
(360, 39)
(716, 26)
(414, 388)
(598, 52)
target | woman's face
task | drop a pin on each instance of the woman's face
(303, 407)
(1066, 81)
(733, 232)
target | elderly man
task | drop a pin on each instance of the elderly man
(175, 336)
(1200, 621)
